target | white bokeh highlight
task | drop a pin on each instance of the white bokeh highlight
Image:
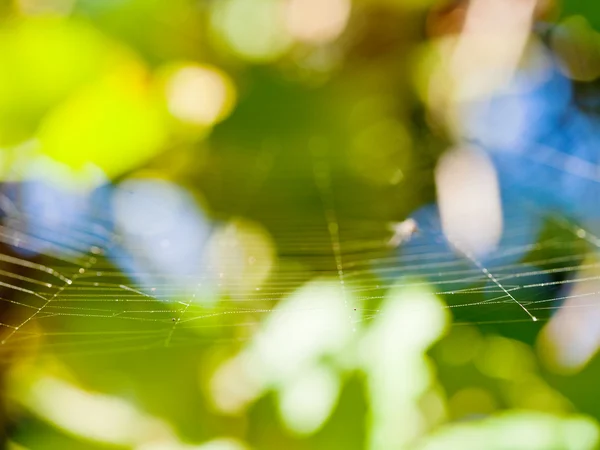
(469, 200)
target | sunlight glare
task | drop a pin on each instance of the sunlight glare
(317, 21)
(252, 29)
(307, 401)
(469, 200)
(199, 95)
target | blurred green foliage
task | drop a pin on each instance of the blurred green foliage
(92, 86)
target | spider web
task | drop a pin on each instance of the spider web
(72, 297)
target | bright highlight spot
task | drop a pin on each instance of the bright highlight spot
(199, 95)
(240, 256)
(490, 46)
(469, 200)
(94, 416)
(306, 402)
(286, 356)
(572, 337)
(108, 419)
(317, 21)
(232, 386)
(253, 29)
(517, 431)
(394, 349)
(309, 324)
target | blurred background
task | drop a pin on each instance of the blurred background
(299, 224)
